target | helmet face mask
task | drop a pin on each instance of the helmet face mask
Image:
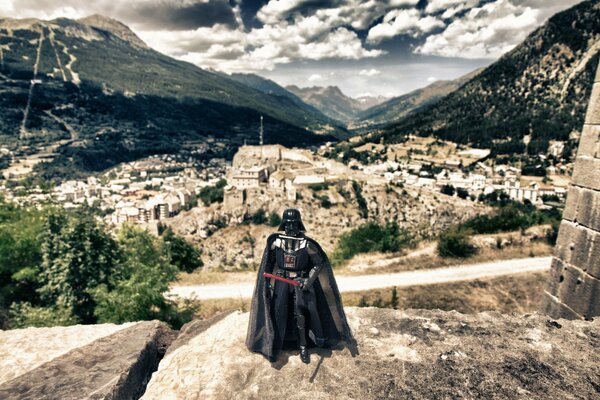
(291, 222)
(292, 228)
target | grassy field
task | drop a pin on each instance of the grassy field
(518, 293)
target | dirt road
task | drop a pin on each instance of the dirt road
(375, 281)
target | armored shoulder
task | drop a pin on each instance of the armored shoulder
(272, 237)
(275, 240)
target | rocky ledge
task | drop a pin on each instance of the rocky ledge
(413, 354)
(81, 362)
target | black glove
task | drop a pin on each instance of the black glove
(302, 282)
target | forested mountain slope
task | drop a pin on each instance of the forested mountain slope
(540, 88)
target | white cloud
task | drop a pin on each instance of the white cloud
(316, 78)
(431, 79)
(485, 32)
(434, 6)
(369, 72)
(398, 22)
(357, 13)
(492, 29)
(298, 30)
(307, 38)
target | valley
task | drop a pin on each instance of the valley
(425, 175)
(93, 120)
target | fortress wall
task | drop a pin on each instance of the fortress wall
(573, 289)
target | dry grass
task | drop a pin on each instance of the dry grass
(209, 277)
(389, 263)
(517, 293)
(431, 261)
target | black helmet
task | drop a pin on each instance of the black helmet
(292, 215)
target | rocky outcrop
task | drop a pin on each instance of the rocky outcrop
(94, 362)
(228, 245)
(410, 354)
(413, 354)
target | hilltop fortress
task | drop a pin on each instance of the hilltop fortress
(283, 171)
(332, 197)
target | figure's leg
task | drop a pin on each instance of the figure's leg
(315, 333)
(280, 303)
(301, 324)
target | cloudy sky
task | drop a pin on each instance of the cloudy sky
(385, 47)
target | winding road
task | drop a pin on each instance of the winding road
(377, 281)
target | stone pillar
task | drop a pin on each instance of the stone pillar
(573, 290)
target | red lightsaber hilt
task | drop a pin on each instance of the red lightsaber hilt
(282, 279)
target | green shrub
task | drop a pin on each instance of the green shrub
(24, 315)
(20, 252)
(363, 210)
(77, 272)
(511, 217)
(184, 255)
(274, 219)
(317, 187)
(213, 194)
(136, 291)
(259, 217)
(552, 233)
(447, 190)
(462, 193)
(455, 242)
(495, 198)
(325, 201)
(370, 237)
(78, 254)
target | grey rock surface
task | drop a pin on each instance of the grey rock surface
(413, 354)
(116, 366)
(22, 350)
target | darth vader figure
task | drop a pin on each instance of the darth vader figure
(296, 302)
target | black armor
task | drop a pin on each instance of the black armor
(284, 315)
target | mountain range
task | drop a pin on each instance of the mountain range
(334, 103)
(396, 108)
(98, 91)
(96, 81)
(539, 90)
(366, 112)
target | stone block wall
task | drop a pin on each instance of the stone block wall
(573, 290)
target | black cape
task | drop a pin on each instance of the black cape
(266, 333)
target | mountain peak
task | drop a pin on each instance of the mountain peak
(113, 26)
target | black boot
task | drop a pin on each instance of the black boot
(304, 355)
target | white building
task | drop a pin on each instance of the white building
(248, 177)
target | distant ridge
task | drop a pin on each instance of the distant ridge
(540, 88)
(394, 109)
(333, 102)
(96, 81)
